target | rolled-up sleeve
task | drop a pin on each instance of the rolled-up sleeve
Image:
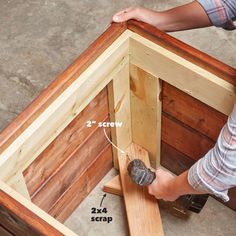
(216, 172)
(221, 13)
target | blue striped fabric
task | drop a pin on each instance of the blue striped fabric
(222, 13)
(216, 172)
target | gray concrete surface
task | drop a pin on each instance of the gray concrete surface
(214, 220)
(40, 38)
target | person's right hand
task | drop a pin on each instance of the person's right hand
(163, 186)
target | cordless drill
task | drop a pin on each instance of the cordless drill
(143, 176)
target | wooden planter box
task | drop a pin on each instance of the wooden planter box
(171, 99)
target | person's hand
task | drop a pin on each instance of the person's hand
(137, 13)
(126, 14)
(188, 16)
(163, 186)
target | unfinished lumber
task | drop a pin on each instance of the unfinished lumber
(137, 199)
(18, 183)
(47, 128)
(182, 74)
(25, 149)
(183, 50)
(62, 82)
(114, 186)
(119, 107)
(146, 110)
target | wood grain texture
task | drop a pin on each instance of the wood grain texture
(13, 223)
(24, 119)
(68, 172)
(114, 186)
(18, 184)
(66, 143)
(177, 163)
(186, 140)
(192, 112)
(5, 232)
(119, 107)
(174, 160)
(184, 50)
(82, 185)
(141, 208)
(146, 112)
(182, 74)
(20, 221)
(32, 142)
(179, 153)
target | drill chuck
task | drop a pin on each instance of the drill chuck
(139, 173)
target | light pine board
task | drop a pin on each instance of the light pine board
(17, 182)
(114, 186)
(188, 77)
(142, 209)
(119, 107)
(62, 111)
(146, 109)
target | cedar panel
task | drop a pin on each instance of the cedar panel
(83, 185)
(174, 160)
(192, 112)
(21, 221)
(189, 130)
(186, 140)
(65, 144)
(177, 163)
(65, 176)
(5, 232)
(15, 224)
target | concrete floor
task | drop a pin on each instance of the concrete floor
(40, 38)
(214, 220)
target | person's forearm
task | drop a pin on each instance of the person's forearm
(180, 185)
(215, 172)
(184, 17)
(188, 16)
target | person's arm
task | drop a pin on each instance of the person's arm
(215, 173)
(184, 17)
(169, 187)
(197, 14)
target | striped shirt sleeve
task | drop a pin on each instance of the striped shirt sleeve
(221, 13)
(215, 173)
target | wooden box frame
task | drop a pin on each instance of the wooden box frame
(132, 50)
